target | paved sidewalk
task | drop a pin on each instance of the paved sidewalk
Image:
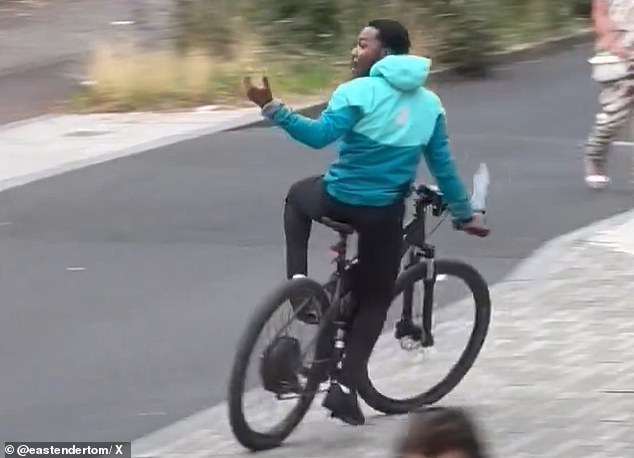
(50, 145)
(555, 378)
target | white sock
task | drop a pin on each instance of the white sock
(299, 276)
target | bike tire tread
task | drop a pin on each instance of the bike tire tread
(481, 295)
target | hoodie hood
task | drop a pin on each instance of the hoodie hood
(405, 72)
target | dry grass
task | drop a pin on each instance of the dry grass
(126, 78)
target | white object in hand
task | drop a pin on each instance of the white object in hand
(481, 182)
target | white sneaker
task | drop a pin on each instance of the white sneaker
(595, 176)
(597, 181)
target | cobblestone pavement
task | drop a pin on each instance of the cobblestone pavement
(555, 377)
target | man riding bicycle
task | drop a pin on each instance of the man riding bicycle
(387, 121)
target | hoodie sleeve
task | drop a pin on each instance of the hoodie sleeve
(442, 168)
(339, 117)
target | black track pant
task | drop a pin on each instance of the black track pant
(380, 237)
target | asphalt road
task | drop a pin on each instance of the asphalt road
(36, 91)
(125, 284)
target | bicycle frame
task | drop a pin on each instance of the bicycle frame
(337, 301)
(341, 251)
(416, 249)
(427, 203)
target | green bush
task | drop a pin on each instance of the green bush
(465, 37)
(296, 25)
(581, 8)
(203, 24)
(462, 33)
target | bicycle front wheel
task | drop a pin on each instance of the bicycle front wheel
(477, 300)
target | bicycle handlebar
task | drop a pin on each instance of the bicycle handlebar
(427, 196)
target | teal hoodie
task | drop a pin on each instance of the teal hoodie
(385, 121)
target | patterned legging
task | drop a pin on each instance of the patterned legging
(616, 101)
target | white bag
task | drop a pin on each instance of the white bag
(607, 67)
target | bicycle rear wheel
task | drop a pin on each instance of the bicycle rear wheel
(243, 431)
(481, 299)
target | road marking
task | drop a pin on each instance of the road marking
(75, 269)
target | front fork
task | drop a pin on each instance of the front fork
(406, 330)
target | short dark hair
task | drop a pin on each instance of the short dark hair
(437, 430)
(392, 35)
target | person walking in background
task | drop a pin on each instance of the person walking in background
(614, 28)
(441, 432)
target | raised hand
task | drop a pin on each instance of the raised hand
(258, 95)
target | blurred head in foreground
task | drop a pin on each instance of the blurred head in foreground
(441, 432)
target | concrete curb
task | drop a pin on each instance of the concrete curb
(23, 122)
(524, 52)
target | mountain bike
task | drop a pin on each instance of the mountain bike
(282, 368)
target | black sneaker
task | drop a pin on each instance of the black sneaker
(344, 405)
